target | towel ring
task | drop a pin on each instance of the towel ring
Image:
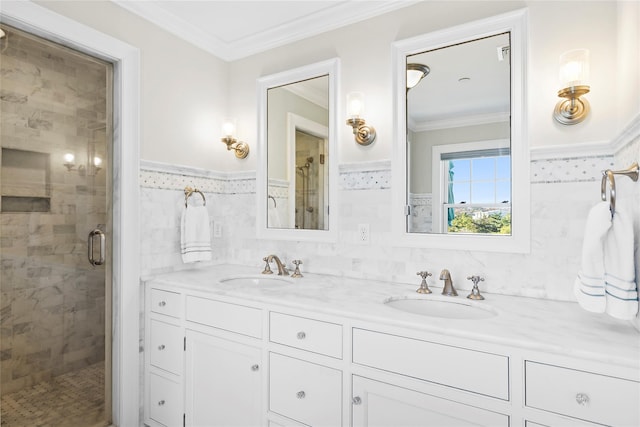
(188, 191)
(608, 176)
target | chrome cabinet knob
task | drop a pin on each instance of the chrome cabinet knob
(357, 400)
(161, 403)
(301, 394)
(255, 367)
(582, 399)
(161, 347)
(301, 335)
(162, 303)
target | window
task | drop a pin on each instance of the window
(475, 189)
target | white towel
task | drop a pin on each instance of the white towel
(195, 237)
(589, 287)
(619, 266)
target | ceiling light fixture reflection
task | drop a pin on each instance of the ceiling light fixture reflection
(415, 73)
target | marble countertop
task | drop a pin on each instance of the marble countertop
(545, 325)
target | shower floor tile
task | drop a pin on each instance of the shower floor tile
(75, 399)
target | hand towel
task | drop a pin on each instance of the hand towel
(195, 237)
(619, 266)
(589, 286)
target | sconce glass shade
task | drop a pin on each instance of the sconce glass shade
(574, 76)
(228, 128)
(415, 73)
(69, 158)
(364, 134)
(241, 149)
(97, 161)
(574, 68)
(355, 104)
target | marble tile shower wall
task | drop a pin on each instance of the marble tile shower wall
(52, 300)
(558, 186)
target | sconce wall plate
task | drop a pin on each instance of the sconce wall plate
(363, 133)
(573, 109)
(241, 148)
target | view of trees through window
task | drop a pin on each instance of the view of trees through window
(478, 198)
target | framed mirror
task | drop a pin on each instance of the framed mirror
(297, 170)
(461, 160)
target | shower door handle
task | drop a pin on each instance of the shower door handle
(92, 236)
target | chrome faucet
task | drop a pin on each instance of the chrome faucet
(448, 284)
(282, 270)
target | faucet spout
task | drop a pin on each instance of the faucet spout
(282, 270)
(448, 284)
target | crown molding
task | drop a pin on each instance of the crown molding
(331, 18)
(455, 122)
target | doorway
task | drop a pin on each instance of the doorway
(56, 157)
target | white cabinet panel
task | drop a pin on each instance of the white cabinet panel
(166, 346)
(165, 302)
(165, 401)
(223, 382)
(583, 395)
(471, 370)
(230, 317)
(377, 404)
(306, 334)
(304, 391)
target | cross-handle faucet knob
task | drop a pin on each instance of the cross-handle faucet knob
(296, 273)
(475, 291)
(267, 267)
(424, 288)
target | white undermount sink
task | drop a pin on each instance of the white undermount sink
(259, 281)
(443, 307)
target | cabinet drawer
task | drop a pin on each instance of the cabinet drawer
(304, 391)
(165, 302)
(584, 395)
(165, 346)
(306, 334)
(475, 371)
(230, 317)
(164, 401)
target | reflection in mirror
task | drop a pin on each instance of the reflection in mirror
(297, 176)
(458, 137)
(461, 164)
(298, 115)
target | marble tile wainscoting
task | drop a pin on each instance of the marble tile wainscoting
(559, 185)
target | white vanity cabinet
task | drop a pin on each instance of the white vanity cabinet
(163, 358)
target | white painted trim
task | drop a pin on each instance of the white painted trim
(331, 68)
(153, 166)
(567, 151)
(628, 134)
(341, 14)
(126, 239)
(370, 166)
(455, 122)
(519, 241)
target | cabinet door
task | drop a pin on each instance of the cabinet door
(378, 404)
(223, 382)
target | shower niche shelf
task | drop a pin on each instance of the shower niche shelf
(25, 181)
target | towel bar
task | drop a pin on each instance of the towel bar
(609, 175)
(188, 191)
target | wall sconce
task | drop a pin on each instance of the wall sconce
(363, 133)
(415, 73)
(93, 167)
(241, 148)
(574, 74)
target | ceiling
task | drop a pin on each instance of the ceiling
(232, 30)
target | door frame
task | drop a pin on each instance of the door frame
(45, 23)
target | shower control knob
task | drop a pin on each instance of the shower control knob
(161, 403)
(162, 303)
(161, 347)
(301, 335)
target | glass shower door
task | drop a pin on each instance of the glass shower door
(55, 297)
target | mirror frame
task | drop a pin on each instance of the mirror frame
(519, 240)
(331, 68)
